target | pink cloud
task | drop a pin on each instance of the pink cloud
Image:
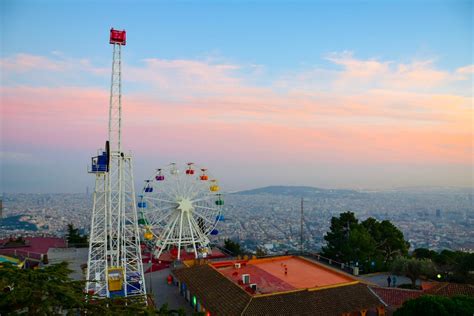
(466, 70)
(208, 111)
(417, 74)
(23, 63)
(315, 131)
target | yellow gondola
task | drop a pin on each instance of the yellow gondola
(148, 234)
(115, 278)
(214, 187)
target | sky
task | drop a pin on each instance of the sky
(332, 94)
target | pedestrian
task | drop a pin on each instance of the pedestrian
(394, 281)
(389, 280)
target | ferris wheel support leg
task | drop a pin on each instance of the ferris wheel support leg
(192, 237)
(203, 240)
(180, 232)
(169, 229)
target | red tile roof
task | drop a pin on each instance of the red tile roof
(40, 244)
(394, 296)
(221, 296)
(451, 289)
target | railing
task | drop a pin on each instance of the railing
(22, 254)
(328, 261)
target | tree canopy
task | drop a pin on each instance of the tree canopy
(453, 266)
(413, 268)
(233, 247)
(40, 291)
(74, 238)
(371, 243)
(50, 291)
(437, 306)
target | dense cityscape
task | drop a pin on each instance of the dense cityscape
(270, 218)
(337, 146)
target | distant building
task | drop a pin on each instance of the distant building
(285, 285)
(32, 250)
(1, 208)
(438, 213)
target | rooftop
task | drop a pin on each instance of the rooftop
(216, 288)
(33, 248)
(281, 274)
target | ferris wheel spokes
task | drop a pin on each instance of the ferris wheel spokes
(203, 217)
(181, 209)
(158, 199)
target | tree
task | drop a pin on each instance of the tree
(74, 238)
(260, 252)
(389, 240)
(424, 253)
(412, 268)
(437, 306)
(47, 291)
(233, 247)
(339, 246)
(50, 291)
(365, 242)
(464, 267)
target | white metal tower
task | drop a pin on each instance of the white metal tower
(114, 267)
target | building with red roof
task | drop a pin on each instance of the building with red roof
(395, 297)
(285, 285)
(33, 249)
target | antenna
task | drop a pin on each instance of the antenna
(302, 219)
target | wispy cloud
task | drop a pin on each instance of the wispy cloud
(367, 110)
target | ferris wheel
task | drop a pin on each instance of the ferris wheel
(179, 209)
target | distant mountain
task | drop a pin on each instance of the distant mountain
(298, 191)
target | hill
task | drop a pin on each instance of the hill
(304, 191)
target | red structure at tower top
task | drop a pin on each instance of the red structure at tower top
(118, 37)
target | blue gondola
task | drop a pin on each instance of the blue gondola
(214, 232)
(220, 218)
(148, 189)
(141, 204)
(99, 163)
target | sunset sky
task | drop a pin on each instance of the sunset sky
(333, 94)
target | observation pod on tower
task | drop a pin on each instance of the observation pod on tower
(118, 37)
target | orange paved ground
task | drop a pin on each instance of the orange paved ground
(269, 274)
(301, 273)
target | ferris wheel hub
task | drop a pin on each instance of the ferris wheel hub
(185, 205)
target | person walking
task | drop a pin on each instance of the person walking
(389, 280)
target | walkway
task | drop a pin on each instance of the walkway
(164, 293)
(381, 279)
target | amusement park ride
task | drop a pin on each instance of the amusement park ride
(179, 209)
(114, 266)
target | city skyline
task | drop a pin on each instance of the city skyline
(342, 96)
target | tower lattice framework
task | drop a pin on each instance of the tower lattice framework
(115, 264)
